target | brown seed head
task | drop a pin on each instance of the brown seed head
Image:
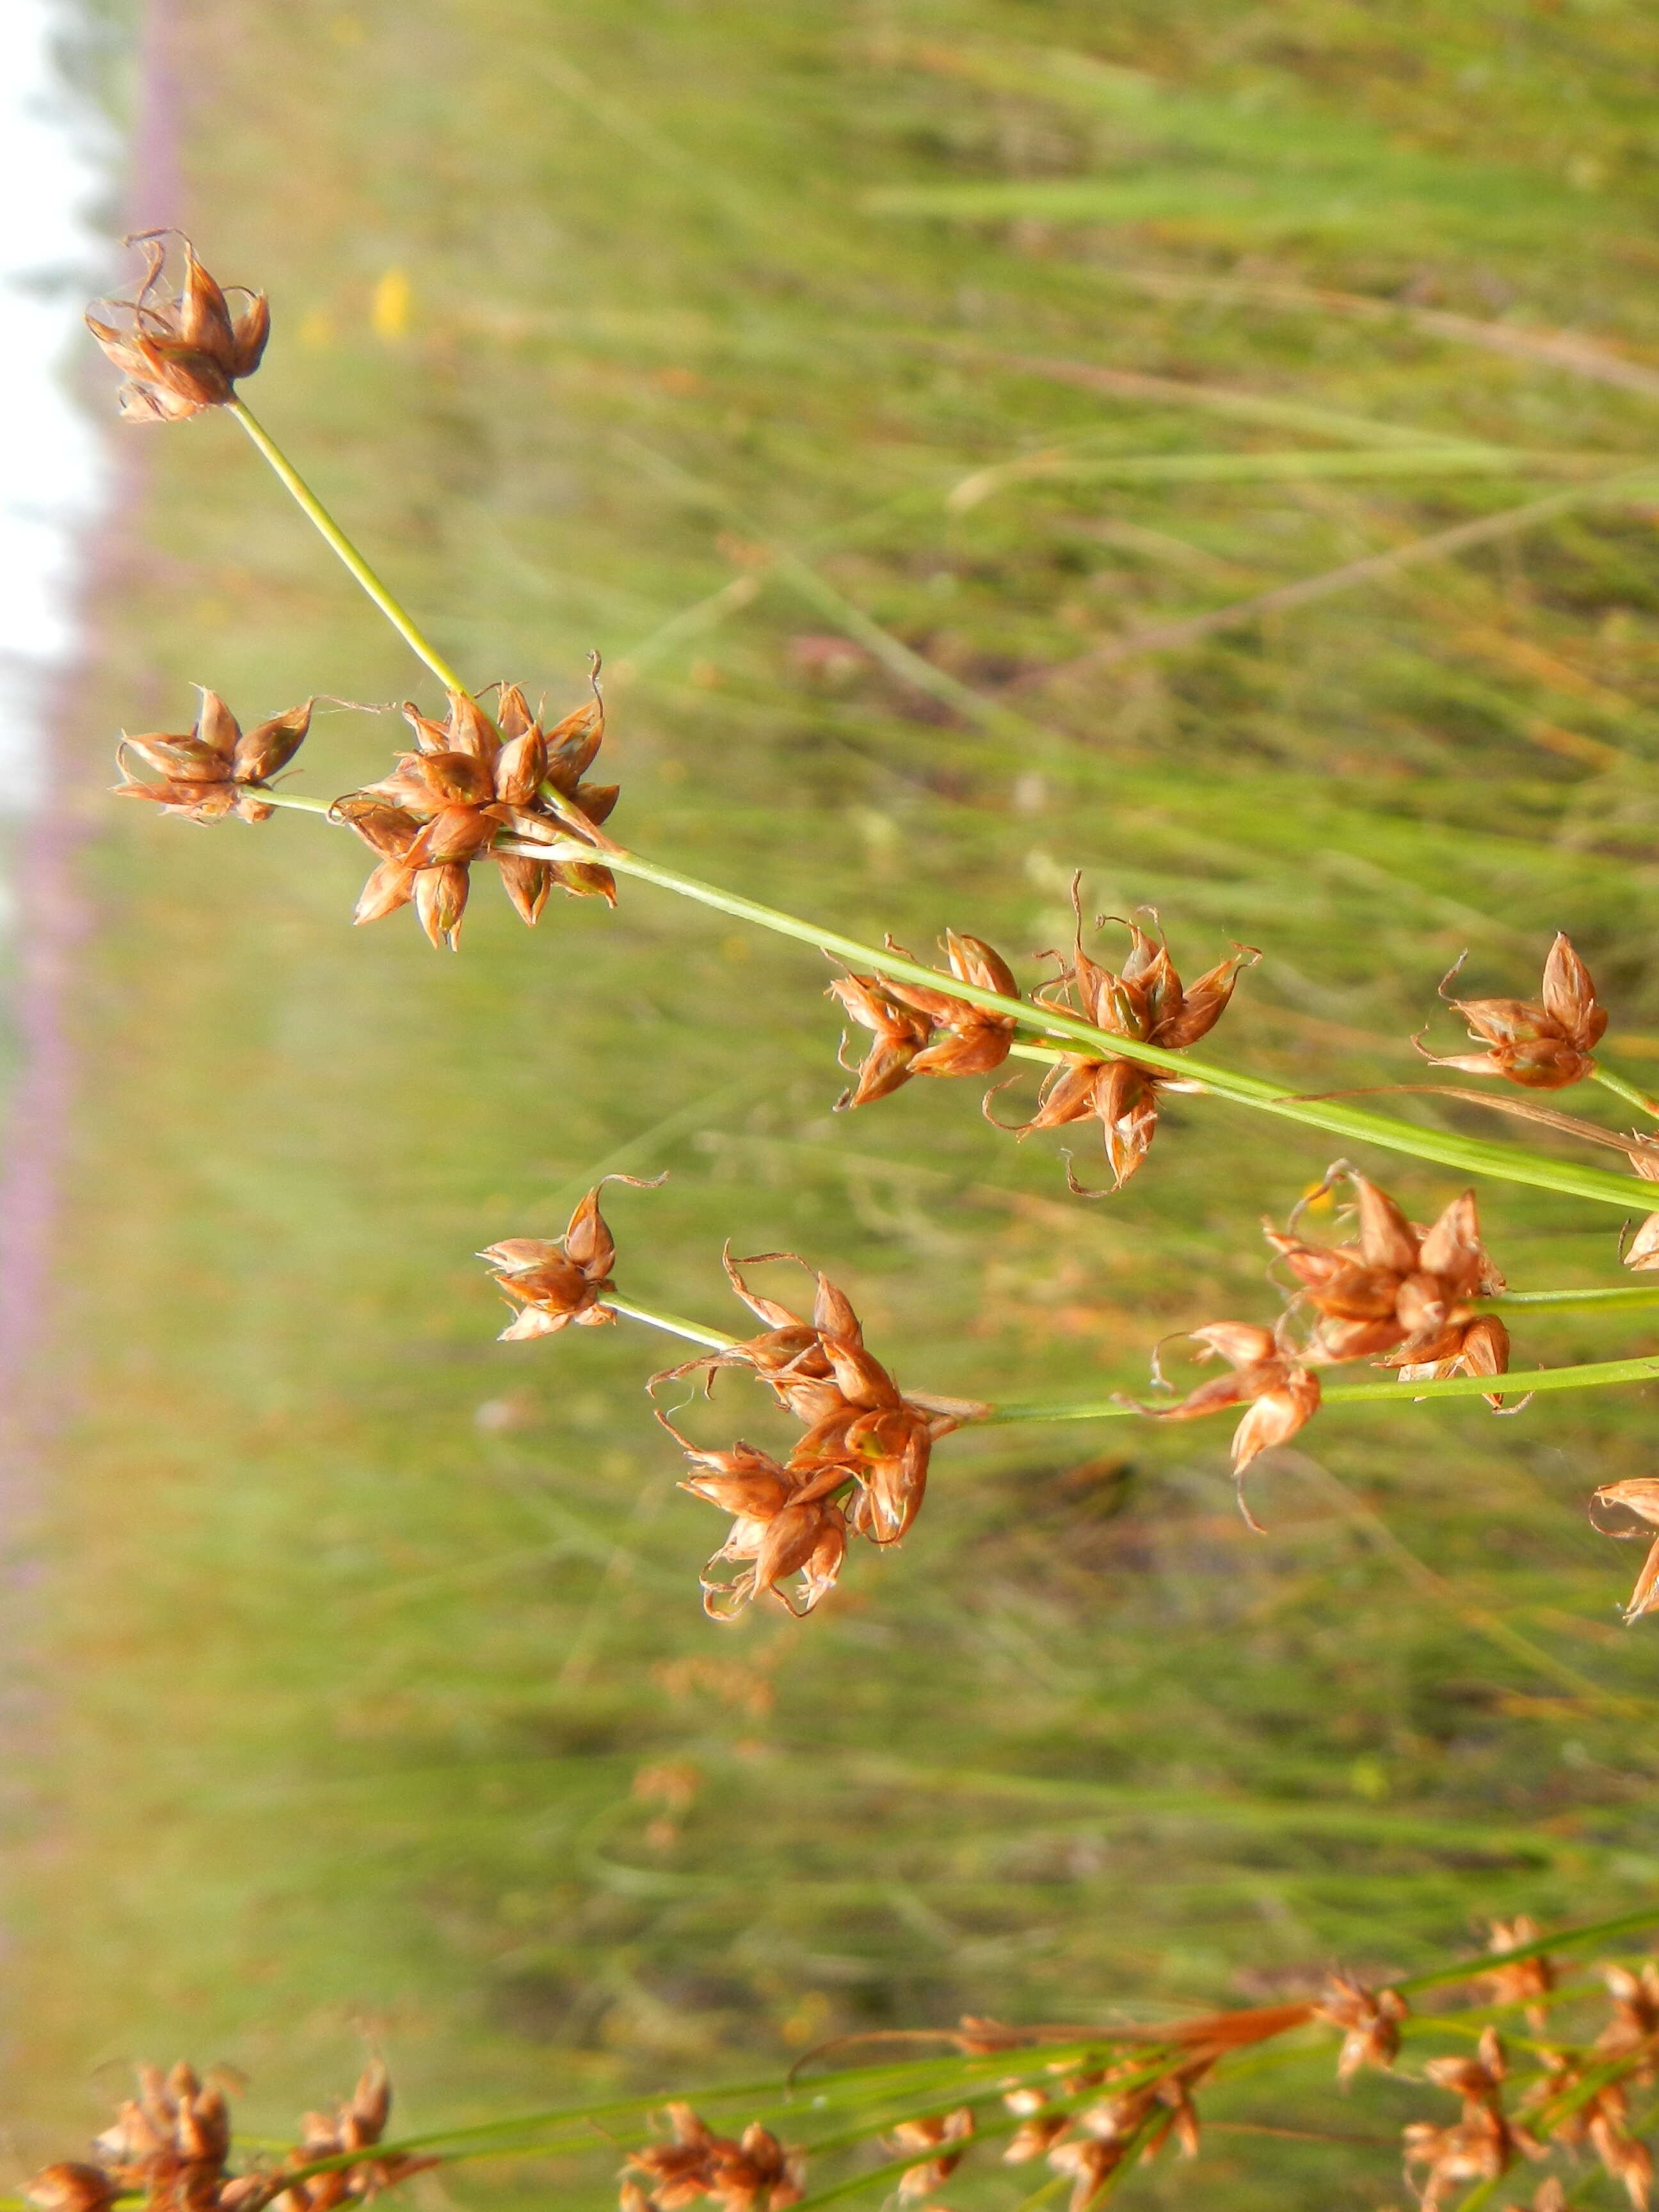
(554, 1284)
(931, 2134)
(1543, 1044)
(468, 782)
(861, 1468)
(216, 769)
(1280, 1396)
(1633, 2029)
(1528, 1980)
(1145, 1000)
(1399, 1293)
(919, 1030)
(181, 353)
(1638, 1495)
(1369, 2020)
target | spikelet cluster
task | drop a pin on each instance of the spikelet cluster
(179, 351)
(470, 780)
(918, 1030)
(752, 2172)
(214, 769)
(170, 2146)
(1395, 1292)
(860, 1469)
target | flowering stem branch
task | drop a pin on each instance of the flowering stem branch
(1592, 1375)
(1445, 1148)
(1469, 1155)
(395, 612)
(671, 1324)
(1589, 1376)
(1062, 1033)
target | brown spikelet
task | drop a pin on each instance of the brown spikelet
(860, 1469)
(1398, 1292)
(1280, 1395)
(919, 1030)
(1144, 999)
(216, 769)
(469, 785)
(555, 1283)
(178, 352)
(1543, 1044)
(1639, 1495)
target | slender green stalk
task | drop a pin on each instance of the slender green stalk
(395, 612)
(693, 1331)
(1592, 1376)
(1379, 1390)
(1468, 1155)
(1619, 1296)
(1627, 1091)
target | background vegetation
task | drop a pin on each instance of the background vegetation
(370, 1685)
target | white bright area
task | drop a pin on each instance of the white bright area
(55, 158)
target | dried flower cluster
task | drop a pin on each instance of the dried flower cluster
(754, 2173)
(1143, 2106)
(216, 769)
(170, 2146)
(917, 1030)
(1144, 999)
(1483, 2142)
(1543, 1044)
(468, 780)
(1579, 2098)
(554, 1284)
(182, 354)
(860, 1469)
(1397, 1293)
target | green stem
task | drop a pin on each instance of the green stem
(395, 612)
(672, 1324)
(1627, 1091)
(1375, 1389)
(1590, 1376)
(1619, 1296)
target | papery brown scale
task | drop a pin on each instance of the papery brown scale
(441, 901)
(390, 885)
(72, 2186)
(187, 757)
(584, 879)
(453, 838)
(269, 747)
(527, 883)
(519, 768)
(470, 731)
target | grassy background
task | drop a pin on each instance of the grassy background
(353, 1630)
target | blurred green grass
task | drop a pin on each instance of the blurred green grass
(353, 1630)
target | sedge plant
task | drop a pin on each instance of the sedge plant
(492, 785)
(1528, 2058)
